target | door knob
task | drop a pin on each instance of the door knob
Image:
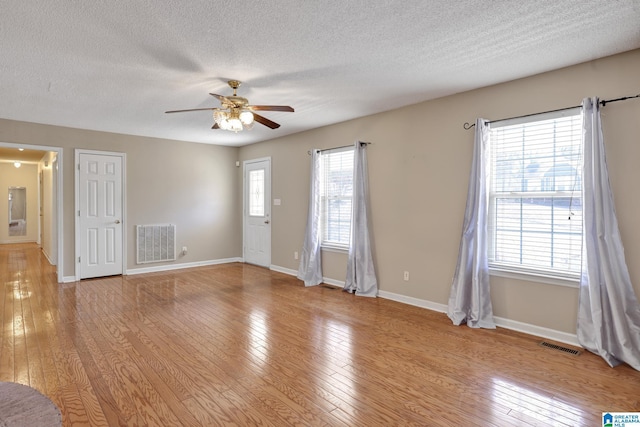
(117, 221)
(266, 221)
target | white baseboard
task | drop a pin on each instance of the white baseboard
(284, 270)
(331, 282)
(325, 280)
(429, 305)
(539, 331)
(46, 255)
(133, 271)
(502, 322)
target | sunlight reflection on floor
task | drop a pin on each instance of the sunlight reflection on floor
(526, 404)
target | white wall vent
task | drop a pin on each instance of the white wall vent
(155, 243)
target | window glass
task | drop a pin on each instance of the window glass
(256, 192)
(336, 191)
(535, 206)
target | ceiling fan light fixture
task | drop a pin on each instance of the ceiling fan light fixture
(246, 117)
(222, 119)
(235, 125)
(233, 120)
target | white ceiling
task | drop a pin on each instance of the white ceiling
(11, 154)
(118, 65)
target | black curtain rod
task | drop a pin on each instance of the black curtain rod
(604, 102)
(335, 148)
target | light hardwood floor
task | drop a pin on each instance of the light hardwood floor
(240, 345)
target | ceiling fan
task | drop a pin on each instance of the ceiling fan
(236, 113)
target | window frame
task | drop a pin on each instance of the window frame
(514, 270)
(325, 244)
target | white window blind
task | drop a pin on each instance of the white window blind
(535, 206)
(336, 192)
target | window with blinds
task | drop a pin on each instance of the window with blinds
(336, 193)
(535, 205)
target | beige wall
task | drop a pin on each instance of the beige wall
(26, 176)
(419, 164)
(49, 233)
(194, 186)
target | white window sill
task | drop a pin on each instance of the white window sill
(571, 282)
(338, 249)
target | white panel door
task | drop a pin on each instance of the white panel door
(100, 214)
(257, 212)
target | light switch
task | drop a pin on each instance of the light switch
(277, 202)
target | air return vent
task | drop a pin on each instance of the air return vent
(560, 348)
(155, 243)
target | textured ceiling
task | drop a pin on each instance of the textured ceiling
(118, 65)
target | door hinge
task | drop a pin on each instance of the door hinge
(78, 259)
(78, 212)
(78, 166)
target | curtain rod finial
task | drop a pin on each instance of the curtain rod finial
(468, 126)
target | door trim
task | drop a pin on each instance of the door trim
(244, 203)
(78, 245)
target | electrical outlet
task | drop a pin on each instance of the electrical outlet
(295, 255)
(184, 250)
(406, 276)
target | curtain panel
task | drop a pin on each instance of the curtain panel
(608, 310)
(310, 268)
(361, 275)
(470, 299)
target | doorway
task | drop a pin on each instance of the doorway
(257, 212)
(53, 192)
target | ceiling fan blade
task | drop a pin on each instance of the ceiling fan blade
(191, 109)
(271, 108)
(215, 126)
(263, 120)
(222, 98)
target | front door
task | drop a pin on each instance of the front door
(257, 212)
(100, 206)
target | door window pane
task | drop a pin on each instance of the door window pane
(256, 192)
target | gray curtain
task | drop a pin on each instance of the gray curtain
(310, 269)
(470, 299)
(361, 275)
(608, 310)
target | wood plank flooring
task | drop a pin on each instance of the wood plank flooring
(238, 345)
